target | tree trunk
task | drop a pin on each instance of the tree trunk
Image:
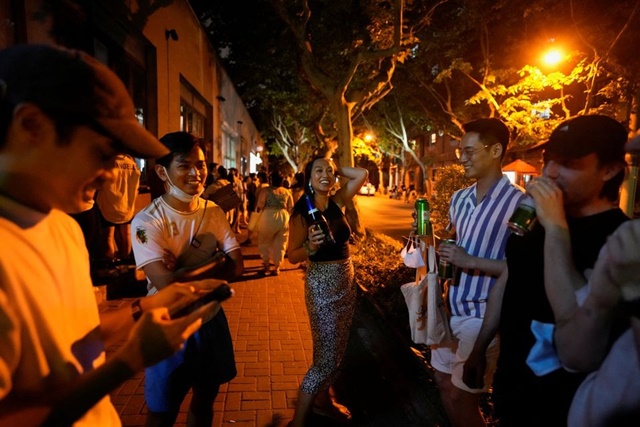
(342, 111)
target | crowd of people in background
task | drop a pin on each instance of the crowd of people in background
(549, 320)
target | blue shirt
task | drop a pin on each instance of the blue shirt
(481, 229)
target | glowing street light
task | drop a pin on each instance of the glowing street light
(368, 137)
(552, 57)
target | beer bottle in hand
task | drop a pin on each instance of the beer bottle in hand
(317, 219)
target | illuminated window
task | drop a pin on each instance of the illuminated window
(229, 149)
(193, 111)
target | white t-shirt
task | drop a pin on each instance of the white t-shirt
(117, 198)
(192, 237)
(612, 390)
(49, 323)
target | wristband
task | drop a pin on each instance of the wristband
(136, 310)
(310, 252)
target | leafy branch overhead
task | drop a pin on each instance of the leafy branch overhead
(497, 71)
(348, 52)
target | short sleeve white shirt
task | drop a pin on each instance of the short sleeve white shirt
(191, 236)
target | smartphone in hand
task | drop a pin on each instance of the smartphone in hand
(221, 293)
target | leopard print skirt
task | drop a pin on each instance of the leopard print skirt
(330, 296)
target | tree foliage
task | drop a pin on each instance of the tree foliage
(347, 53)
(399, 126)
(450, 179)
(292, 141)
(496, 72)
(256, 51)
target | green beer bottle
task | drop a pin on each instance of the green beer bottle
(423, 217)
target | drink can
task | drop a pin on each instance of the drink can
(445, 269)
(524, 218)
(423, 217)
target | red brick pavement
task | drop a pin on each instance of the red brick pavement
(270, 330)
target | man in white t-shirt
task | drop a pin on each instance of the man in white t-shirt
(63, 119)
(181, 236)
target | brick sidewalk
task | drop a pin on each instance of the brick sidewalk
(273, 349)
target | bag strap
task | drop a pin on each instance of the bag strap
(431, 255)
(421, 274)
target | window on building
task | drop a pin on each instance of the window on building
(229, 149)
(193, 111)
(433, 138)
(191, 120)
(133, 75)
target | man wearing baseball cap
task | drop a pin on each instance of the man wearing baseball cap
(576, 205)
(63, 119)
(598, 330)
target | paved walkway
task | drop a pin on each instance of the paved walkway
(273, 348)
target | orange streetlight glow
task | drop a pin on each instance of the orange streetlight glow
(552, 57)
(368, 137)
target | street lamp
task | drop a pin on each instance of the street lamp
(552, 57)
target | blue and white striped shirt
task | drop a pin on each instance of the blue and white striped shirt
(482, 231)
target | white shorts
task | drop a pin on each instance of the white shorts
(450, 359)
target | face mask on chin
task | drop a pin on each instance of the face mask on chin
(178, 193)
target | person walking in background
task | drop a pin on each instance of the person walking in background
(479, 214)
(211, 174)
(241, 210)
(116, 200)
(274, 205)
(262, 182)
(64, 117)
(250, 184)
(330, 291)
(297, 189)
(181, 236)
(220, 179)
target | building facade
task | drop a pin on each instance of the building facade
(161, 52)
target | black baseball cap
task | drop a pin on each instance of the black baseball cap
(583, 135)
(71, 86)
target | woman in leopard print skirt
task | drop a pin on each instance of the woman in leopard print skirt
(330, 292)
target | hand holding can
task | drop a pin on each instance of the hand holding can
(445, 268)
(524, 218)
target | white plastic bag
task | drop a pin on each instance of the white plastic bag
(413, 252)
(428, 318)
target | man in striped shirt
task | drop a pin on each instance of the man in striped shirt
(576, 204)
(479, 214)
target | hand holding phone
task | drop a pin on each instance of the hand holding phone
(220, 293)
